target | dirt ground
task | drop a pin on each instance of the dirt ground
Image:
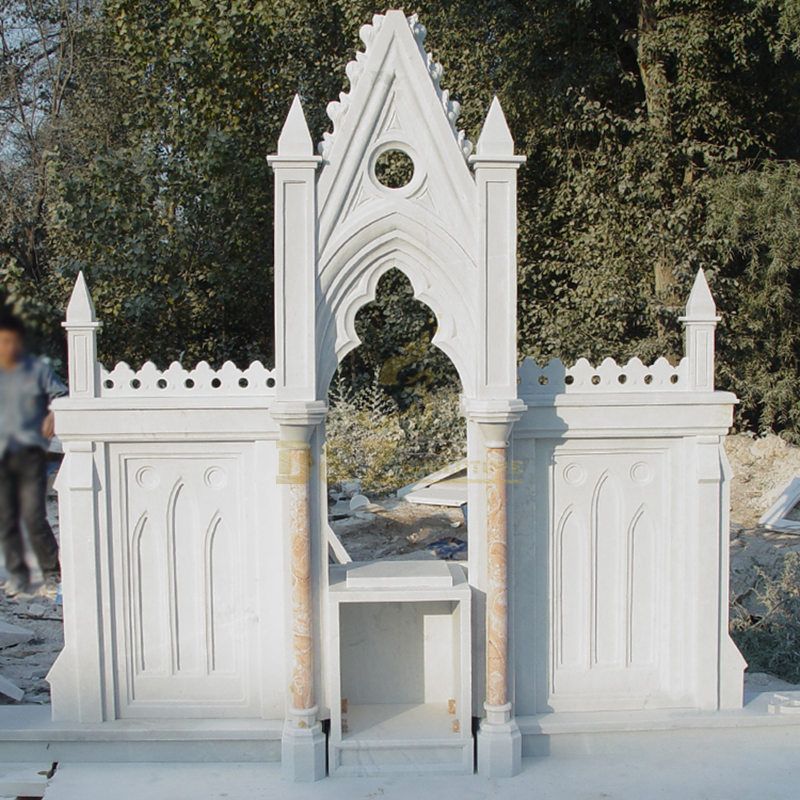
(762, 467)
(392, 528)
(27, 664)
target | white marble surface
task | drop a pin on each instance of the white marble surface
(399, 574)
(400, 670)
(174, 528)
(711, 766)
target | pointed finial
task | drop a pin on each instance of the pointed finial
(701, 305)
(80, 310)
(495, 138)
(295, 139)
(81, 327)
(698, 325)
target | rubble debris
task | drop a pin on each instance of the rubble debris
(784, 704)
(13, 634)
(349, 488)
(445, 487)
(10, 689)
(784, 514)
(448, 548)
(358, 501)
(339, 510)
(36, 610)
(762, 468)
(389, 528)
(337, 552)
(27, 662)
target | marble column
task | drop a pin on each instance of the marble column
(303, 742)
(497, 586)
(499, 738)
(301, 688)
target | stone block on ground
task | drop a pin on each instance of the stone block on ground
(25, 779)
(10, 689)
(13, 634)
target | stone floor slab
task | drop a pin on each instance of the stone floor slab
(691, 765)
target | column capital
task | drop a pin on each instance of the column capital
(495, 418)
(294, 162)
(297, 419)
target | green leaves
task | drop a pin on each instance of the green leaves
(661, 137)
(754, 222)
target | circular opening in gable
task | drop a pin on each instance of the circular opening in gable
(394, 169)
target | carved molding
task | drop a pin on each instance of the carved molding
(177, 381)
(635, 376)
(337, 109)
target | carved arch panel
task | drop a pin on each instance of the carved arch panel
(609, 554)
(185, 610)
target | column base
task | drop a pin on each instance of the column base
(303, 753)
(499, 744)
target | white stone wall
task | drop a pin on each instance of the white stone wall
(173, 553)
(193, 502)
(619, 574)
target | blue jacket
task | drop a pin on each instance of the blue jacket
(25, 395)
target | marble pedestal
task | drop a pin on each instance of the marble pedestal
(303, 752)
(499, 744)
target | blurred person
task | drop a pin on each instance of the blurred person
(27, 386)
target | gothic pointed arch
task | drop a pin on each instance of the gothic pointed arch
(449, 226)
(349, 281)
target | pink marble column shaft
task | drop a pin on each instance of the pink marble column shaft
(302, 681)
(497, 586)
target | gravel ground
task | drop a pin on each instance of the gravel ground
(391, 528)
(27, 664)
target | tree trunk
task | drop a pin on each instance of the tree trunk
(655, 82)
(652, 69)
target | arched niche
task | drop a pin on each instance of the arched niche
(451, 229)
(405, 373)
(349, 280)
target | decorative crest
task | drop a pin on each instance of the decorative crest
(203, 380)
(635, 376)
(337, 109)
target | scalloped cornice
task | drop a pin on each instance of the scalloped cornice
(337, 109)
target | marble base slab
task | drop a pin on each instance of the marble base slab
(393, 738)
(27, 733)
(399, 574)
(580, 733)
(687, 764)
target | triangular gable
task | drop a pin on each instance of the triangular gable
(395, 98)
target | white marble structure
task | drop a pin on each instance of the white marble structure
(196, 576)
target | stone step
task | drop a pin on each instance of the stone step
(391, 739)
(27, 734)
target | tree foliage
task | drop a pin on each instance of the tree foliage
(662, 136)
